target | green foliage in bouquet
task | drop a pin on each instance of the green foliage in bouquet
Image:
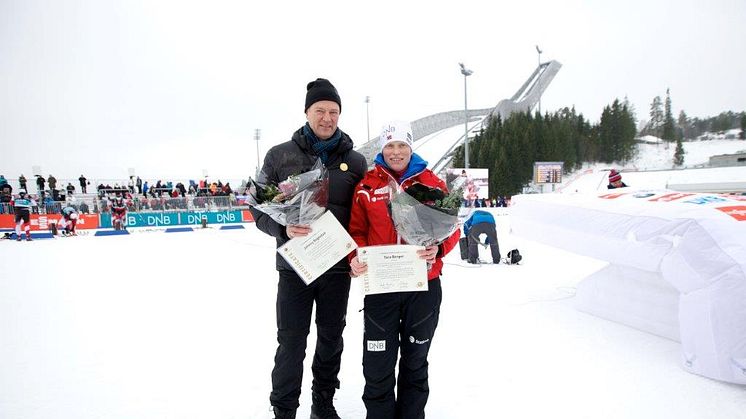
(436, 198)
(267, 193)
(452, 201)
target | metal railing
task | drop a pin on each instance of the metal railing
(170, 204)
(94, 205)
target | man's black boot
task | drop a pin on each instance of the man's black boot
(283, 413)
(323, 405)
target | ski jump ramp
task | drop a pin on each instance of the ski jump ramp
(436, 137)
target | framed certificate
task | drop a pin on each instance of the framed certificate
(394, 268)
(312, 255)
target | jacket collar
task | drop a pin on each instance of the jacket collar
(416, 166)
(345, 145)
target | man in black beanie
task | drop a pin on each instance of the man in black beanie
(319, 138)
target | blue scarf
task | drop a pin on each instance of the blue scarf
(322, 147)
(416, 165)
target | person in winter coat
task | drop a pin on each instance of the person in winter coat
(405, 321)
(83, 184)
(52, 181)
(5, 187)
(22, 182)
(481, 222)
(615, 180)
(40, 182)
(319, 138)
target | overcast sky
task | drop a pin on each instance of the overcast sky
(174, 88)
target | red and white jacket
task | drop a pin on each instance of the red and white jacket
(370, 222)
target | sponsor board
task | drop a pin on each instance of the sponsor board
(168, 219)
(42, 222)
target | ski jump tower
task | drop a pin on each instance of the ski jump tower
(525, 99)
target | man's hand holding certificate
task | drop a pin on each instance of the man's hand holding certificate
(393, 268)
(313, 254)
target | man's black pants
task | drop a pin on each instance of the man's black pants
(491, 232)
(295, 302)
(403, 321)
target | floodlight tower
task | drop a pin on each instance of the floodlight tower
(466, 72)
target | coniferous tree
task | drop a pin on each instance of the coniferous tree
(605, 135)
(678, 155)
(669, 133)
(616, 134)
(683, 126)
(510, 148)
(627, 133)
(723, 122)
(655, 125)
(630, 109)
(743, 126)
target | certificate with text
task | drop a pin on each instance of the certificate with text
(394, 268)
(312, 255)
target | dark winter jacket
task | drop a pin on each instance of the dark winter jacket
(346, 167)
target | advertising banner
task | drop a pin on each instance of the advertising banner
(167, 219)
(42, 222)
(474, 181)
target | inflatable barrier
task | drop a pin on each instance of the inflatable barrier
(677, 265)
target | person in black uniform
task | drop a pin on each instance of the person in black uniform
(319, 138)
(22, 208)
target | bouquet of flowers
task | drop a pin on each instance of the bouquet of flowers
(423, 215)
(299, 199)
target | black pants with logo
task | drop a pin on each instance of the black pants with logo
(295, 302)
(406, 322)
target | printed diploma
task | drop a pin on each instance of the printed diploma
(312, 255)
(394, 268)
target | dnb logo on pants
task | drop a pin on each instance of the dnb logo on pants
(376, 346)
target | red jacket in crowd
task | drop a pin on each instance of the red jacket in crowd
(370, 222)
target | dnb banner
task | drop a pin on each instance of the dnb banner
(548, 172)
(165, 219)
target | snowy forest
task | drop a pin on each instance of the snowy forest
(509, 148)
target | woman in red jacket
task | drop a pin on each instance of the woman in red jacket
(405, 321)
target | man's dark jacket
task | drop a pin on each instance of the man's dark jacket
(296, 156)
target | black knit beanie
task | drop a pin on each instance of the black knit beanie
(321, 89)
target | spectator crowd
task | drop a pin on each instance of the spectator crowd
(51, 196)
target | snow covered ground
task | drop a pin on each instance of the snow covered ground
(181, 325)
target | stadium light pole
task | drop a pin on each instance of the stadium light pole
(539, 51)
(466, 74)
(256, 137)
(367, 116)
